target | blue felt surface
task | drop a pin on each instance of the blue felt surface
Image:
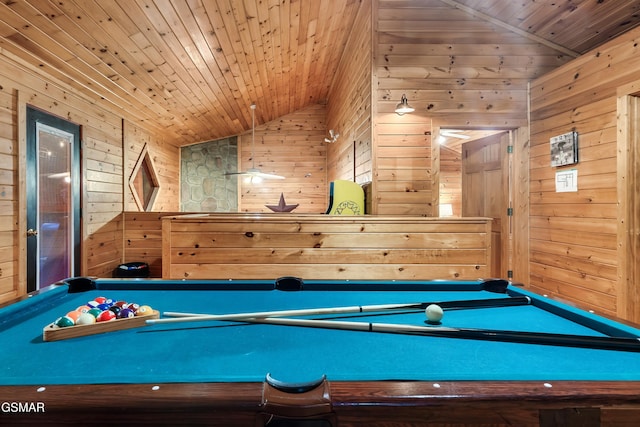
(224, 352)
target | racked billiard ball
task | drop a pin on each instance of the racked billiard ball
(133, 306)
(73, 315)
(85, 319)
(126, 313)
(95, 312)
(144, 310)
(64, 322)
(93, 304)
(115, 309)
(106, 316)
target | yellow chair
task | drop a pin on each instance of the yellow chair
(345, 198)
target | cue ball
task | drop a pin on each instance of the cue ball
(434, 313)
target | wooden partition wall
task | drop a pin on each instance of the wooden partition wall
(254, 246)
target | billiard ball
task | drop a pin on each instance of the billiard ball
(144, 310)
(106, 316)
(121, 304)
(133, 307)
(100, 300)
(93, 304)
(103, 306)
(83, 308)
(115, 309)
(434, 313)
(85, 319)
(64, 322)
(73, 315)
(95, 312)
(125, 313)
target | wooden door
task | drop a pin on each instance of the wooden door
(485, 192)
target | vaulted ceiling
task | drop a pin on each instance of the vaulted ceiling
(194, 66)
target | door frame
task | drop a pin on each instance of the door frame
(628, 190)
(29, 189)
(515, 256)
(501, 224)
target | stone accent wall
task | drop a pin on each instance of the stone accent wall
(204, 187)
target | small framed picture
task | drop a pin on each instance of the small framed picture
(564, 149)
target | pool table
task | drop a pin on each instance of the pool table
(236, 373)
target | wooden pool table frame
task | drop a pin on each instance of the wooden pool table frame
(343, 403)
(370, 403)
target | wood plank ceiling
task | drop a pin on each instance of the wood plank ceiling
(193, 67)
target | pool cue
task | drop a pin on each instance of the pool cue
(176, 317)
(542, 338)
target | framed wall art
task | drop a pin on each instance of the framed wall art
(564, 149)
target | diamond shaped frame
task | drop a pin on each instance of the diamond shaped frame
(144, 183)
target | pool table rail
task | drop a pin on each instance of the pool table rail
(371, 403)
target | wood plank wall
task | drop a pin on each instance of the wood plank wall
(102, 205)
(404, 159)
(102, 150)
(102, 170)
(223, 246)
(575, 251)
(9, 190)
(165, 158)
(476, 76)
(349, 106)
(451, 179)
(142, 233)
(292, 146)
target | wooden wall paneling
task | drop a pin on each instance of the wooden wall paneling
(321, 247)
(142, 233)
(12, 282)
(103, 187)
(473, 77)
(372, 190)
(166, 161)
(451, 179)
(102, 166)
(349, 105)
(404, 165)
(54, 97)
(292, 146)
(577, 248)
(434, 154)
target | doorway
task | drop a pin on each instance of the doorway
(474, 182)
(53, 199)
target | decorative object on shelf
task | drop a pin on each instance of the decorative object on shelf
(345, 198)
(403, 107)
(282, 206)
(564, 149)
(254, 174)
